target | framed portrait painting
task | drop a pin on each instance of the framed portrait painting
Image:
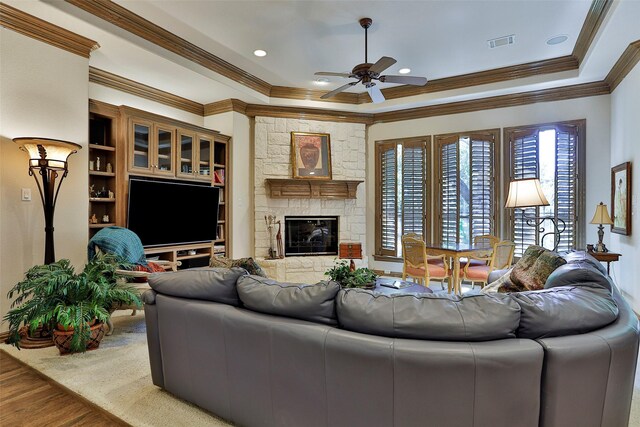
(311, 155)
(621, 198)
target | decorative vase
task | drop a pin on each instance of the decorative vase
(62, 338)
(310, 154)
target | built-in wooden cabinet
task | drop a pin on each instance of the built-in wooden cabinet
(126, 142)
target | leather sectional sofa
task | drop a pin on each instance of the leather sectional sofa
(261, 353)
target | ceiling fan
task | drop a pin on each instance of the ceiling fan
(367, 73)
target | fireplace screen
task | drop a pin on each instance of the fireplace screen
(311, 235)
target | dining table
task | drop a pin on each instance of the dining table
(456, 251)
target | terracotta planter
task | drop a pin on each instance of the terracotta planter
(62, 338)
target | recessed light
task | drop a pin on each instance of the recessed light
(260, 52)
(321, 81)
(557, 39)
(404, 70)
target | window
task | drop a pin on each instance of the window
(554, 153)
(401, 192)
(466, 186)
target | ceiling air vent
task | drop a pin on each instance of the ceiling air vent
(501, 41)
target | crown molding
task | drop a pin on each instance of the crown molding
(320, 114)
(624, 65)
(225, 106)
(135, 24)
(501, 101)
(595, 17)
(123, 84)
(36, 28)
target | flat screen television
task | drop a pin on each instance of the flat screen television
(165, 213)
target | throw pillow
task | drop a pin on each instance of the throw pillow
(248, 264)
(533, 274)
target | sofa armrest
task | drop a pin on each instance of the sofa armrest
(496, 274)
(149, 297)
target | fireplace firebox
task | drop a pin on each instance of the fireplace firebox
(311, 235)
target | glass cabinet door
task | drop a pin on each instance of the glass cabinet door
(185, 161)
(164, 151)
(205, 151)
(141, 145)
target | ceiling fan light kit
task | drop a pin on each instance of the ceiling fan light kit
(366, 73)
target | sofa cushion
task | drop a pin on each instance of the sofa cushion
(315, 303)
(248, 264)
(579, 273)
(476, 317)
(212, 284)
(533, 269)
(564, 310)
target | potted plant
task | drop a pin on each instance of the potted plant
(351, 277)
(73, 306)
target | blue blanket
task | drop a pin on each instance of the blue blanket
(118, 241)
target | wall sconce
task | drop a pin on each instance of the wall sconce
(527, 193)
(601, 216)
(48, 158)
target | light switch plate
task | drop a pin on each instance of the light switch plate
(26, 195)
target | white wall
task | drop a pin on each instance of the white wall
(625, 128)
(238, 126)
(43, 92)
(594, 109)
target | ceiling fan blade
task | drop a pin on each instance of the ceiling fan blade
(337, 91)
(382, 64)
(407, 80)
(375, 94)
(329, 73)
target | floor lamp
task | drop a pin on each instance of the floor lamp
(527, 193)
(48, 159)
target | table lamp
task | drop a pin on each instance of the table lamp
(601, 217)
(527, 193)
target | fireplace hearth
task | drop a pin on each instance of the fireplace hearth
(311, 235)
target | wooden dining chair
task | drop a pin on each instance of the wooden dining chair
(421, 266)
(501, 258)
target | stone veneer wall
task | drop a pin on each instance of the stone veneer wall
(273, 160)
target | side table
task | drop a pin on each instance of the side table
(607, 257)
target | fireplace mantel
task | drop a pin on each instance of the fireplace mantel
(311, 189)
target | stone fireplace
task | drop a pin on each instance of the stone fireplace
(272, 151)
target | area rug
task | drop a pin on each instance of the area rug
(117, 377)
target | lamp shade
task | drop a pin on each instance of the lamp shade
(601, 216)
(525, 193)
(52, 153)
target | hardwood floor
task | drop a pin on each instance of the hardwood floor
(28, 398)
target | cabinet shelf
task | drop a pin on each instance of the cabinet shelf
(102, 200)
(98, 173)
(200, 255)
(219, 166)
(103, 225)
(102, 147)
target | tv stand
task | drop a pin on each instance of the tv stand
(194, 253)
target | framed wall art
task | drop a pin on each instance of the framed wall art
(621, 198)
(311, 155)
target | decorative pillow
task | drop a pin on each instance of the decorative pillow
(248, 264)
(315, 303)
(151, 267)
(533, 269)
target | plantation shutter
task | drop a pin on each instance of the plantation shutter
(401, 196)
(524, 161)
(388, 200)
(482, 189)
(566, 184)
(413, 188)
(449, 191)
